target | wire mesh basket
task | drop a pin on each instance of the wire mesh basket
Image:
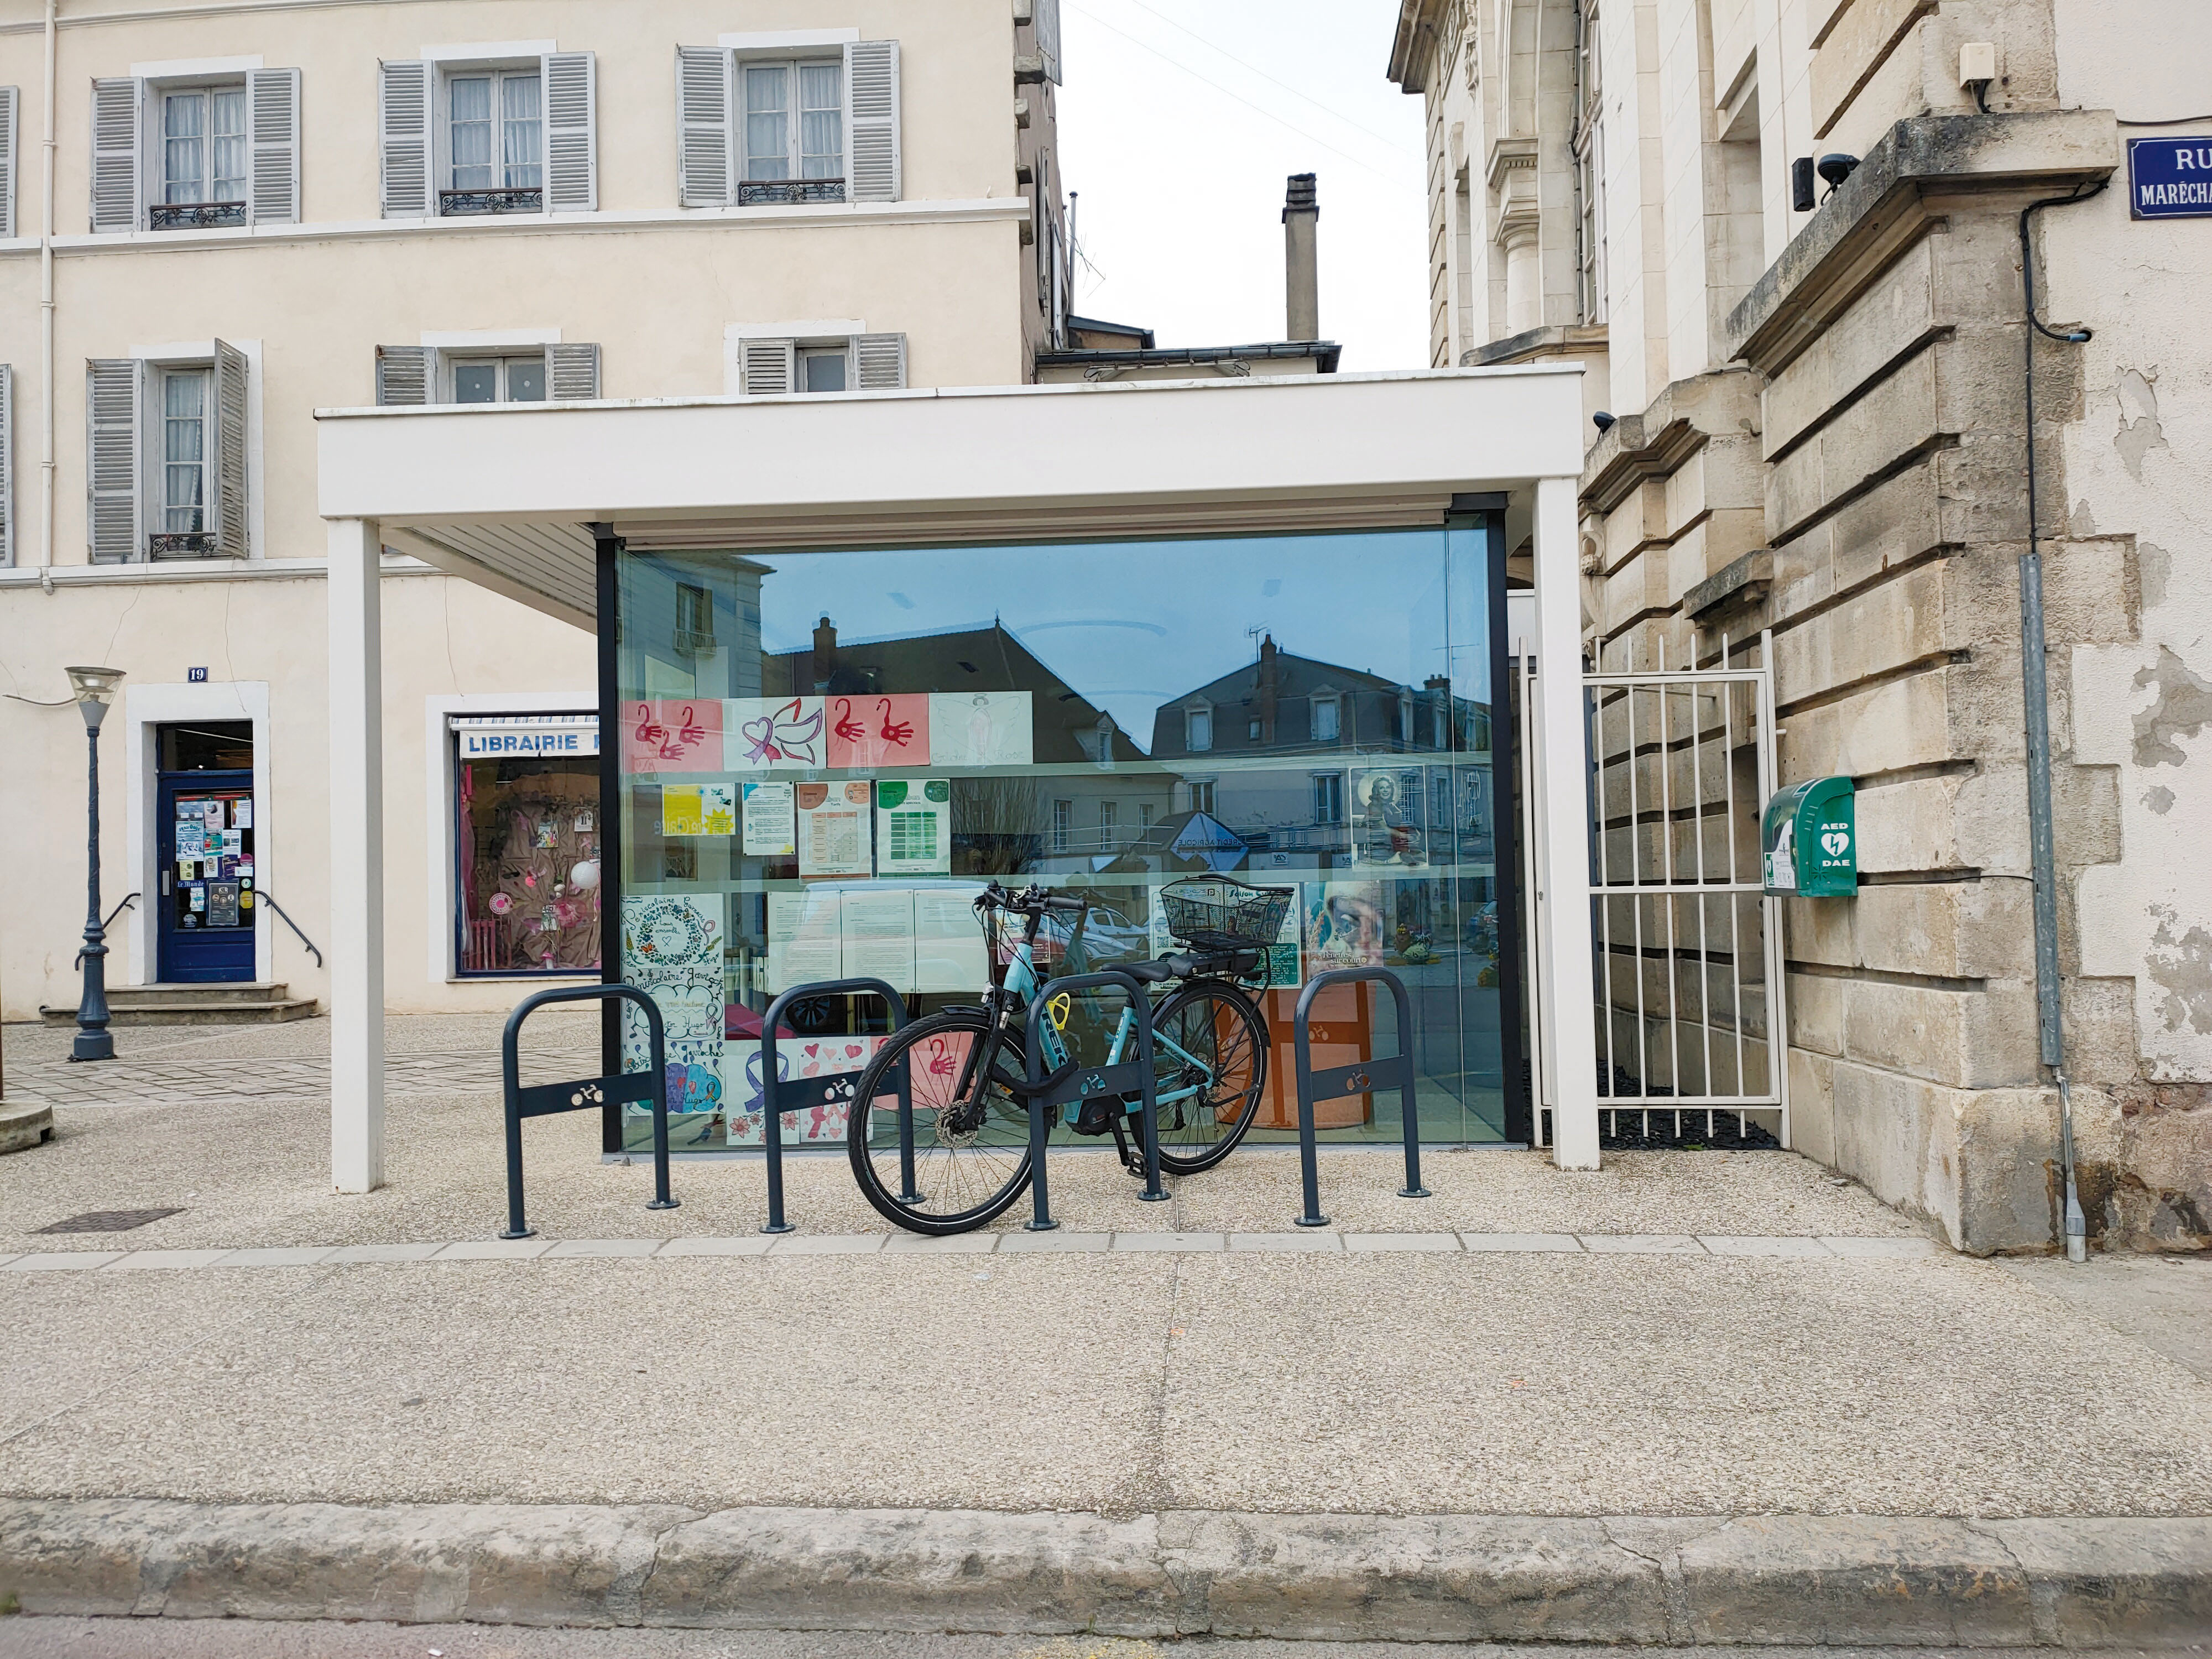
(1223, 915)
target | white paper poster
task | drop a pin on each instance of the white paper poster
(718, 809)
(980, 728)
(803, 941)
(833, 823)
(914, 827)
(948, 940)
(780, 734)
(876, 924)
(771, 820)
(241, 813)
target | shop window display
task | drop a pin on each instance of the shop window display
(873, 733)
(528, 850)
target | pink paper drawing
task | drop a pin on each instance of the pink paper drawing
(874, 731)
(672, 734)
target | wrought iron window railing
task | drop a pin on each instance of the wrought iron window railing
(525, 199)
(788, 192)
(181, 544)
(197, 215)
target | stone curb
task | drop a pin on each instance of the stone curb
(1771, 1579)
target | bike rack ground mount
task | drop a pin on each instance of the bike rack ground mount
(804, 1094)
(1072, 1082)
(1361, 1077)
(585, 1094)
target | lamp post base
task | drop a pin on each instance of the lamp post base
(92, 1045)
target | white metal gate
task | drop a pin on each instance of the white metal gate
(1687, 951)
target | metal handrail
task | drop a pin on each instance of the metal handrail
(261, 896)
(128, 900)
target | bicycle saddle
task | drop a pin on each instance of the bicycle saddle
(1153, 973)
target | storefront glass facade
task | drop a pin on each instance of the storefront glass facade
(823, 755)
(526, 845)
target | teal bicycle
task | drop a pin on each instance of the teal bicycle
(964, 1069)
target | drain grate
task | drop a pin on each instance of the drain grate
(107, 1221)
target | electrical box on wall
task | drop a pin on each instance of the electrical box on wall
(1810, 840)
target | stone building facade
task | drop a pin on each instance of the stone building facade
(1821, 423)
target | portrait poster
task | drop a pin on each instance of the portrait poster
(805, 942)
(773, 734)
(1386, 813)
(671, 734)
(948, 941)
(771, 820)
(914, 821)
(718, 809)
(834, 825)
(981, 728)
(241, 812)
(873, 731)
(877, 926)
(1344, 924)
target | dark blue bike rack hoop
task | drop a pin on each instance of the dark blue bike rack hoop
(1075, 1083)
(813, 1092)
(585, 1095)
(1362, 1077)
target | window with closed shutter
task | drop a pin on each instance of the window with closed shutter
(704, 159)
(403, 373)
(881, 361)
(872, 96)
(272, 99)
(117, 118)
(572, 372)
(111, 391)
(404, 91)
(766, 367)
(9, 100)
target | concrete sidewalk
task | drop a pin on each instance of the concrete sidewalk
(1377, 1403)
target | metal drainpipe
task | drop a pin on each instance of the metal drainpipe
(2035, 685)
(46, 324)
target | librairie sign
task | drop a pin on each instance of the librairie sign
(480, 737)
(2170, 178)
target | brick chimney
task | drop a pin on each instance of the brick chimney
(1301, 217)
(825, 653)
(1270, 684)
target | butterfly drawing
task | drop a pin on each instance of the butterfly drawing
(782, 735)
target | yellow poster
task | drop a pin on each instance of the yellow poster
(680, 810)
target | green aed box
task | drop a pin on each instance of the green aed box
(1810, 840)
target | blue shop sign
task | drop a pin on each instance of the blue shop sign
(479, 738)
(2170, 178)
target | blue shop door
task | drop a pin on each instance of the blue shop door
(206, 909)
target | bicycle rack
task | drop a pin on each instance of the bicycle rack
(586, 1094)
(1080, 1082)
(1362, 1077)
(827, 1091)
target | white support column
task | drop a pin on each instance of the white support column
(356, 746)
(1560, 764)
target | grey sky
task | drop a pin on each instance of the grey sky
(1180, 181)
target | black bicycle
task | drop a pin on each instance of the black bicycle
(965, 1068)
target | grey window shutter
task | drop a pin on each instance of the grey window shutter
(572, 144)
(111, 466)
(7, 464)
(880, 362)
(402, 374)
(705, 163)
(117, 115)
(402, 106)
(9, 100)
(228, 518)
(572, 373)
(1047, 19)
(765, 367)
(272, 115)
(872, 97)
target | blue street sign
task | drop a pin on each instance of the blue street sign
(2170, 178)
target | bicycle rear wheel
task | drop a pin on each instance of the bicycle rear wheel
(969, 1158)
(1210, 1067)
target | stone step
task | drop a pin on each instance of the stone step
(235, 1002)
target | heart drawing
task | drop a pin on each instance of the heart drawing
(1834, 841)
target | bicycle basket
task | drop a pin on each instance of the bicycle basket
(1219, 913)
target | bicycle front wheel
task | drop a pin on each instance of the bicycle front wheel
(1210, 1067)
(967, 1155)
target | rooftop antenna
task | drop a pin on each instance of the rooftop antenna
(1253, 634)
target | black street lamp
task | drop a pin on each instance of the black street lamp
(96, 690)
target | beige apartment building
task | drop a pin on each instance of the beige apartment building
(219, 217)
(1786, 237)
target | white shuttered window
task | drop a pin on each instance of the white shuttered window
(10, 101)
(770, 368)
(762, 132)
(272, 98)
(404, 92)
(166, 467)
(117, 108)
(186, 156)
(422, 374)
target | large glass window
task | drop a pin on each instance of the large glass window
(497, 140)
(795, 120)
(526, 845)
(204, 145)
(824, 756)
(184, 449)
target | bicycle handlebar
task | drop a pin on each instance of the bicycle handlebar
(1031, 900)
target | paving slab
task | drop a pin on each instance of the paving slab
(1401, 1242)
(1641, 1244)
(54, 1261)
(414, 1252)
(1303, 1238)
(1178, 1243)
(1549, 1243)
(494, 1249)
(751, 1245)
(602, 1247)
(1725, 1245)
(144, 1261)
